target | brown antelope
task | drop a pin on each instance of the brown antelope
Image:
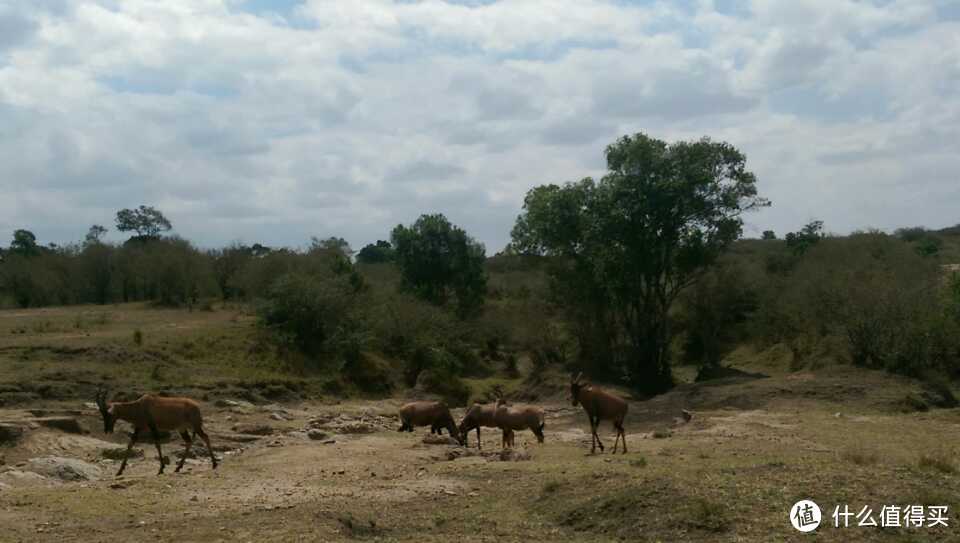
(510, 419)
(599, 405)
(436, 415)
(478, 415)
(156, 414)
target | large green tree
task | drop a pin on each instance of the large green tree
(632, 242)
(377, 253)
(148, 222)
(438, 261)
(24, 243)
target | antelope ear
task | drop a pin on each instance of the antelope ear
(577, 378)
(110, 410)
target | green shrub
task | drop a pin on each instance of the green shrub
(445, 384)
(314, 314)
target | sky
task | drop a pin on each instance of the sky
(273, 121)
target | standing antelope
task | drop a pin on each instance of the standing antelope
(524, 417)
(436, 415)
(600, 404)
(478, 415)
(156, 413)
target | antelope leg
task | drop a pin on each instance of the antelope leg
(186, 451)
(133, 439)
(156, 441)
(206, 441)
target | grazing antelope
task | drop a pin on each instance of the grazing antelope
(156, 413)
(510, 419)
(436, 415)
(599, 405)
(478, 415)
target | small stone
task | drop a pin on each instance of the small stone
(315, 434)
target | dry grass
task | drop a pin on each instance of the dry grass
(860, 455)
(752, 450)
(937, 461)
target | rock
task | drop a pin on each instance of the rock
(117, 453)
(354, 428)
(65, 469)
(69, 425)
(238, 438)
(120, 485)
(10, 433)
(511, 455)
(277, 416)
(461, 452)
(233, 404)
(16, 478)
(687, 416)
(253, 429)
(315, 434)
(330, 442)
(433, 439)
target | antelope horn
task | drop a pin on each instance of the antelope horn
(577, 378)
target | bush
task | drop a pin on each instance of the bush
(446, 385)
(714, 312)
(430, 358)
(368, 373)
(885, 302)
(314, 314)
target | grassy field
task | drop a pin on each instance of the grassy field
(755, 445)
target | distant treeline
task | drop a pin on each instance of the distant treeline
(621, 277)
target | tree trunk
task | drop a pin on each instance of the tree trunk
(650, 371)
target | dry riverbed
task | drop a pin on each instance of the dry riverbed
(321, 472)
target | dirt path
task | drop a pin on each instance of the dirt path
(730, 474)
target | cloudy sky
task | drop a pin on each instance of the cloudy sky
(277, 120)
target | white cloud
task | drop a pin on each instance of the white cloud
(345, 118)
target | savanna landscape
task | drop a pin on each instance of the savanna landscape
(479, 270)
(306, 431)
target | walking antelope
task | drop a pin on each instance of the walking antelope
(156, 414)
(600, 405)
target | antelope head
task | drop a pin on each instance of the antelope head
(575, 386)
(106, 411)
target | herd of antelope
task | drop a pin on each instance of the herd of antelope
(157, 414)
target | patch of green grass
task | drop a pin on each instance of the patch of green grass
(662, 434)
(638, 462)
(708, 515)
(138, 337)
(550, 487)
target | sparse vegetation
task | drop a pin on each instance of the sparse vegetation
(859, 455)
(940, 462)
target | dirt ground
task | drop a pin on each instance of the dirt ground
(730, 474)
(327, 471)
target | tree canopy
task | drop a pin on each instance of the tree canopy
(634, 240)
(377, 253)
(148, 222)
(439, 261)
